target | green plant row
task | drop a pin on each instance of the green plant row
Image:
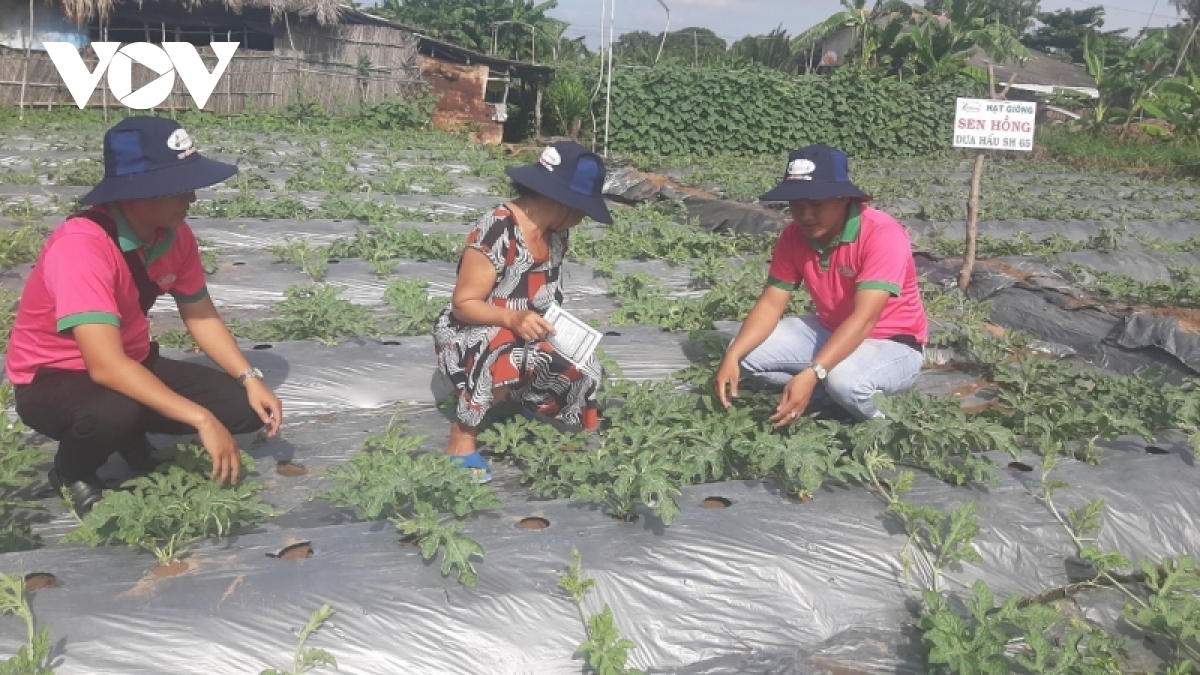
(678, 111)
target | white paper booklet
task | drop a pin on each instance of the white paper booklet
(572, 338)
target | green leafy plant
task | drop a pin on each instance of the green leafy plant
(606, 651)
(166, 512)
(308, 660)
(32, 658)
(980, 642)
(414, 311)
(22, 245)
(313, 312)
(312, 261)
(392, 481)
(18, 464)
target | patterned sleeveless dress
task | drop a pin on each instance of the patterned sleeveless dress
(478, 359)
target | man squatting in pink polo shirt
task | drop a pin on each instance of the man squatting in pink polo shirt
(80, 358)
(870, 328)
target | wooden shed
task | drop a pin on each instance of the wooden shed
(315, 52)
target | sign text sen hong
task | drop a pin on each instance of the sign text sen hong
(165, 60)
(994, 125)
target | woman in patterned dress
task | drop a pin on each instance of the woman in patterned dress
(491, 339)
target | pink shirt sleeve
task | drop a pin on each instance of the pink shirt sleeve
(190, 284)
(886, 257)
(81, 275)
(785, 272)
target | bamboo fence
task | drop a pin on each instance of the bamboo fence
(329, 67)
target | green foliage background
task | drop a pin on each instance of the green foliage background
(682, 111)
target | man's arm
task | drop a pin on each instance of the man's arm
(109, 366)
(213, 336)
(759, 324)
(215, 340)
(868, 307)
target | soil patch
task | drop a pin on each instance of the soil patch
(1014, 272)
(1019, 467)
(173, 570)
(1189, 319)
(36, 581)
(289, 470)
(533, 523)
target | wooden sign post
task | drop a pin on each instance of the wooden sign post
(989, 124)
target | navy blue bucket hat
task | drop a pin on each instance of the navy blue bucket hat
(816, 172)
(148, 157)
(570, 175)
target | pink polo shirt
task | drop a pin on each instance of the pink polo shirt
(874, 252)
(81, 278)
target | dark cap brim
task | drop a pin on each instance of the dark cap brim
(536, 178)
(802, 190)
(198, 173)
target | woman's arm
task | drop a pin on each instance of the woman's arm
(476, 281)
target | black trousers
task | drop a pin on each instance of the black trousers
(91, 422)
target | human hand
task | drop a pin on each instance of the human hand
(728, 376)
(794, 402)
(266, 404)
(530, 325)
(226, 457)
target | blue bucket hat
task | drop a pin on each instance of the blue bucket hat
(570, 175)
(147, 157)
(816, 172)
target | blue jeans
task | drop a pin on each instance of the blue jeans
(876, 366)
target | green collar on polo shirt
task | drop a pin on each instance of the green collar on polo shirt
(849, 235)
(130, 240)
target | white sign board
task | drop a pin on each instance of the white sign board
(994, 125)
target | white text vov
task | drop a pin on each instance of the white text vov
(117, 61)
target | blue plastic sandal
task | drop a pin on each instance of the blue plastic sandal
(477, 464)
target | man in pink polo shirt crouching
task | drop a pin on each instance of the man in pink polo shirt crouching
(870, 328)
(80, 358)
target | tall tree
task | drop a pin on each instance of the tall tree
(1018, 15)
(515, 29)
(773, 50)
(1064, 32)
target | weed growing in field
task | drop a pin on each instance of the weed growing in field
(308, 660)
(210, 256)
(168, 511)
(391, 480)
(32, 658)
(607, 652)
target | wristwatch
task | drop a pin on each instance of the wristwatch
(252, 374)
(820, 371)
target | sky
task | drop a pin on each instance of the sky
(733, 19)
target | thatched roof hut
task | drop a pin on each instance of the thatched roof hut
(325, 12)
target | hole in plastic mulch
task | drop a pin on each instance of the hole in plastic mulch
(533, 523)
(36, 581)
(1019, 466)
(391, 343)
(289, 470)
(300, 551)
(261, 347)
(716, 503)
(333, 261)
(1155, 450)
(612, 333)
(238, 263)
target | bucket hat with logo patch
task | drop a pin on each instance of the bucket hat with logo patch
(570, 175)
(147, 157)
(816, 172)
